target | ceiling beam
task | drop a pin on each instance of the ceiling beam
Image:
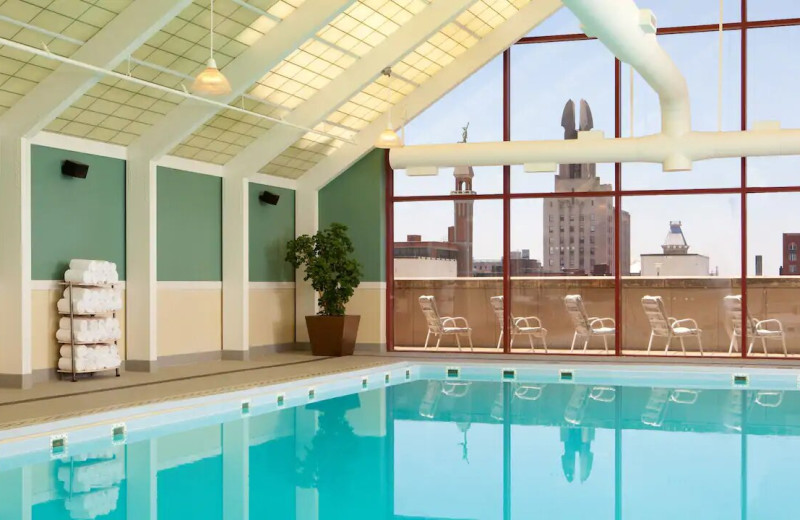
(432, 90)
(352, 81)
(128, 31)
(242, 72)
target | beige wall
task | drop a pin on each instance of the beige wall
(189, 320)
(44, 323)
(369, 302)
(271, 314)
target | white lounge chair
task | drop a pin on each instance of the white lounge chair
(756, 329)
(655, 411)
(439, 326)
(664, 326)
(530, 326)
(588, 326)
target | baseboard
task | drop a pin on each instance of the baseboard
(21, 381)
(235, 355)
(44, 375)
(188, 359)
(139, 365)
(273, 349)
(370, 348)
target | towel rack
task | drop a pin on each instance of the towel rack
(72, 343)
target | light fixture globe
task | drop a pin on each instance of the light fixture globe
(211, 81)
(388, 139)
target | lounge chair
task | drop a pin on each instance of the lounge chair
(530, 326)
(655, 411)
(756, 329)
(439, 326)
(667, 327)
(587, 326)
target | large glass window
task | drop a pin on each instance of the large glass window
(612, 238)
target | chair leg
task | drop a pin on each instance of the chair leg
(683, 347)
(764, 345)
(544, 342)
(605, 343)
(574, 337)
(438, 340)
(586, 343)
(783, 340)
(732, 345)
(750, 347)
(669, 340)
(700, 343)
(458, 342)
(500, 340)
(427, 337)
(469, 337)
(650, 343)
(530, 340)
(511, 341)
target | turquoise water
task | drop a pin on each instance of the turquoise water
(454, 450)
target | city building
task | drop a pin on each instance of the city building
(463, 217)
(417, 259)
(579, 231)
(675, 259)
(790, 265)
(520, 264)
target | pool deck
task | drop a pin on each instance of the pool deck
(62, 399)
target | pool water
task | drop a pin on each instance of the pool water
(434, 449)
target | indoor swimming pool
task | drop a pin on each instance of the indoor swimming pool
(436, 442)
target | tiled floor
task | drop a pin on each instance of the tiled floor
(60, 399)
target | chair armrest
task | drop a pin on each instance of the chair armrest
(693, 323)
(455, 321)
(526, 320)
(602, 322)
(764, 324)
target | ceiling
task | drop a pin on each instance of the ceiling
(317, 82)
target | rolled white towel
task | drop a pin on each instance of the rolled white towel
(81, 307)
(81, 324)
(80, 351)
(84, 264)
(79, 276)
(65, 335)
(81, 365)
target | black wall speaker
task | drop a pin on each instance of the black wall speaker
(74, 169)
(268, 197)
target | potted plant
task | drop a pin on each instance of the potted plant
(334, 274)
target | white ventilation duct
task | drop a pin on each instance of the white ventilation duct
(630, 34)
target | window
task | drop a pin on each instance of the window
(793, 269)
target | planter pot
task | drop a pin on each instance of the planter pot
(332, 335)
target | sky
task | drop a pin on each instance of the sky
(545, 76)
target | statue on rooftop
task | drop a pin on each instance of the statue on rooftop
(464, 133)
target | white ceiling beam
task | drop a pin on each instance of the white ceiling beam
(128, 31)
(432, 90)
(242, 72)
(352, 81)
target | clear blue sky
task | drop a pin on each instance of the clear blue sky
(545, 76)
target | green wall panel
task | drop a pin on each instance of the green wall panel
(270, 228)
(75, 218)
(189, 226)
(357, 199)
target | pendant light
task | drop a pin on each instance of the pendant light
(211, 81)
(388, 138)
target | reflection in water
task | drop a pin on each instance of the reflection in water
(577, 448)
(431, 449)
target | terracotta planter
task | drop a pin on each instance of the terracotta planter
(332, 335)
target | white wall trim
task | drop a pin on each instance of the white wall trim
(190, 165)
(79, 144)
(272, 285)
(273, 180)
(55, 285)
(372, 285)
(190, 286)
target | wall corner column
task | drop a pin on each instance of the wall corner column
(306, 223)
(235, 268)
(141, 264)
(15, 263)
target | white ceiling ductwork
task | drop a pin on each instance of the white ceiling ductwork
(629, 33)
